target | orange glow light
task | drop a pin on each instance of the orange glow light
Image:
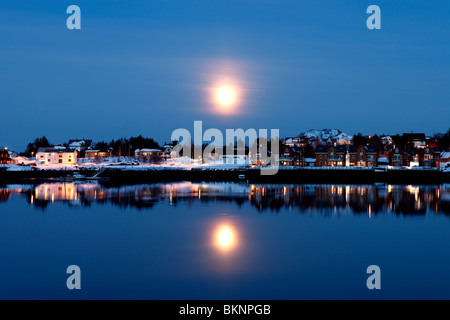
(226, 96)
(225, 238)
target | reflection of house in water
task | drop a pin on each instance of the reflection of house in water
(323, 199)
(4, 195)
(7, 192)
(55, 191)
(141, 196)
(359, 199)
(315, 198)
(43, 194)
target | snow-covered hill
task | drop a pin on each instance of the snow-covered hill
(325, 134)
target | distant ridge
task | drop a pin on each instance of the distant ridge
(325, 134)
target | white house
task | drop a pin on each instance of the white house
(80, 144)
(57, 156)
(20, 160)
(343, 138)
(386, 140)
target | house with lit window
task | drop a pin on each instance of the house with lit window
(296, 141)
(415, 140)
(97, 154)
(342, 139)
(152, 155)
(386, 140)
(20, 160)
(363, 156)
(4, 156)
(428, 157)
(291, 156)
(57, 156)
(333, 156)
(397, 158)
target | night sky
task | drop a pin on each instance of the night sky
(147, 67)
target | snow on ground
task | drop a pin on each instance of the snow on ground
(12, 167)
(183, 163)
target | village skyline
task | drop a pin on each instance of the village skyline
(316, 133)
(313, 148)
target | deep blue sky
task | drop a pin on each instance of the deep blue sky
(141, 67)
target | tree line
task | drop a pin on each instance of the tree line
(119, 147)
(441, 141)
(126, 146)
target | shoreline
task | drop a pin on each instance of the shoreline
(248, 175)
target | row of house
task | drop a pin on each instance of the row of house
(69, 156)
(363, 156)
(329, 155)
(337, 150)
(341, 155)
(337, 138)
(331, 148)
(427, 157)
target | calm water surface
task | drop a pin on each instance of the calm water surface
(224, 241)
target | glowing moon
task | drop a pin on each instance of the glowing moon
(225, 238)
(226, 96)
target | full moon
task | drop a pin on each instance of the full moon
(225, 238)
(226, 96)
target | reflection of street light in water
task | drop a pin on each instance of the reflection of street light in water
(225, 238)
